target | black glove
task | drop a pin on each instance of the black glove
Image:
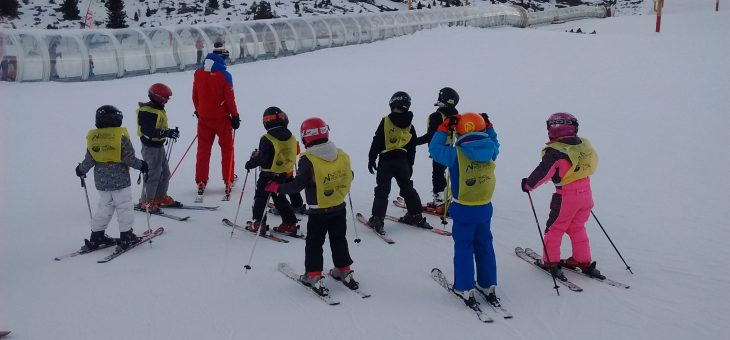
(195, 113)
(78, 171)
(144, 168)
(523, 185)
(174, 134)
(372, 167)
(235, 122)
(486, 120)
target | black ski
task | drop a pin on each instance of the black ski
(287, 270)
(495, 304)
(364, 221)
(191, 207)
(81, 251)
(228, 223)
(605, 280)
(4, 333)
(433, 230)
(143, 239)
(533, 258)
(438, 276)
(162, 214)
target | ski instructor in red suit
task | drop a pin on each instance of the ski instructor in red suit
(215, 105)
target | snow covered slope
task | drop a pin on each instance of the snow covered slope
(654, 105)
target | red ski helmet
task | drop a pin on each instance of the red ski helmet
(314, 129)
(470, 122)
(561, 124)
(160, 93)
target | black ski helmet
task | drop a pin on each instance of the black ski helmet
(447, 98)
(400, 100)
(273, 117)
(108, 116)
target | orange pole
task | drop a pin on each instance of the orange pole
(658, 4)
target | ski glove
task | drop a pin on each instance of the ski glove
(144, 168)
(79, 172)
(372, 167)
(195, 113)
(524, 186)
(272, 187)
(449, 124)
(173, 134)
(235, 122)
(486, 120)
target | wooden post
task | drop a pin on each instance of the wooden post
(658, 4)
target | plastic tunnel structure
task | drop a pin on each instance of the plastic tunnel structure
(98, 54)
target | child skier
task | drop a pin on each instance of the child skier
(153, 132)
(446, 102)
(276, 155)
(471, 166)
(569, 161)
(325, 175)
(395, 143)
(110, 152)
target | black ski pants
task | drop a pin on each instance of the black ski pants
(319, 225)
(260, 198)
(438, 177)
(399, 169)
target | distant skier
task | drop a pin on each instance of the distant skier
(325, 174)
(215, 105)
(446, 102)
(153, 132)
(471, 167)
(569, 161)
(395, 144)
(110, 152)
(276, 155)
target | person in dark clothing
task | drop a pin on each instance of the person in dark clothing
(446, 102)
(395, 143)
(153, 132)
(275, 156)
(325, 175)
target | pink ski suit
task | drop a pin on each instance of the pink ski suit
(571, 203)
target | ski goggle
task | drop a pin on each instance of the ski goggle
(315, 131)
(280, 115)
(561, 121)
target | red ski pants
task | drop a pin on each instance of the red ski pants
(569, 211)
(207, 130)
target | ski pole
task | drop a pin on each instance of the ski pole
(354, 225)
(240, 199)
(147, 206)
(183, 156)
(544, 248)
(169, 148)
(609, 240)
(258, 234)
(229, 182)
(86, 192)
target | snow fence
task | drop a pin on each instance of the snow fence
(98, 54)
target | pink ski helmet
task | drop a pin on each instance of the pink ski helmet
(561, 124)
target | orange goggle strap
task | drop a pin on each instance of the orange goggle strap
(280, 115)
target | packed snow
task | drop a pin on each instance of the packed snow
(653, 105)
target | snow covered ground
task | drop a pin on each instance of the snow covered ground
(654, 105)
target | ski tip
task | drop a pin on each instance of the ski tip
(435, 270)
(519, 250)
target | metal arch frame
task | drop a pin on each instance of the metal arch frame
(277, 47)
(19, 58)
(358, 32)
(46, 59)
(151, 61)
(245, 27)
(329, 31)
(332, 35)
(311, 29)
(294, 31)
(227, 37)
(175, 48)
(85, 66)
(117, 49)
(369, 29)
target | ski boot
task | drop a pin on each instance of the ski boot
(98, 239)
(377, 224)
(168, 202)
(314, 280)
(588, 269)
(257, 228)
(344, 274)
(151, 206)
(554, 269)
(416, 220)
(489, 294)
(201, 187)
(438, 200)
(127, 239)
(467, 296)
(288, 229)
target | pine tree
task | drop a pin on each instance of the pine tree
(136, 16)
(9, 8)
(227, 4)
(213, 4)
(263, 11)
(115, 12)
(70, 9)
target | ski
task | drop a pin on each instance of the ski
(433, 230)
(81, 251)
(285, 269)
(272, 209)
(191, 207)
(228, 223)
(297, 236)
(363, 294)
(535, 257)
(495, 305)
(606, 280)
(364, 221)
(162, 214)
(144, 238)
(401, 203)
(4, 333)
(438, 276)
